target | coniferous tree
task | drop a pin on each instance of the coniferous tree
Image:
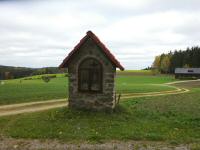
(166, 63)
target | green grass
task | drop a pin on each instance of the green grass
(171, 118)
(32, 90)
(40, 76)
(134, 72)
(14, 91)
(144, 79)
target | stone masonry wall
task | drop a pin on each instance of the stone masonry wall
(91, 101)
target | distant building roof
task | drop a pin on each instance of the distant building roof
(187, 71)
(91, 35)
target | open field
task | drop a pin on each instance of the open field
(14, 109)
(169, 118)
(19, 90)
(32, 90)
(134, 72)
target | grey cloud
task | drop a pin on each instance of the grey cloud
(41, 33)
(114, 12)
(190, 29)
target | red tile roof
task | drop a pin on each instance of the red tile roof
(110, 56)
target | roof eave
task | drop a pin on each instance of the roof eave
(111, 57)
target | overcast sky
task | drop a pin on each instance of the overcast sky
(41, 33)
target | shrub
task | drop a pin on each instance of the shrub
(28, 78)
(155, 71)
(51, 76)
(46, 79)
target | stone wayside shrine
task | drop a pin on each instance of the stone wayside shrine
(91, 69)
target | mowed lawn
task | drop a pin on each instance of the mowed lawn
(19, 90)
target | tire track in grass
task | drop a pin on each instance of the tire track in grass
(179, 91)
(161, 93)
(30, 103)
(14, 109)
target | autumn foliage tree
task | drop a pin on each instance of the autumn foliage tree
(166, 63)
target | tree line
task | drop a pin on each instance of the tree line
(166, 63)
(10, 72)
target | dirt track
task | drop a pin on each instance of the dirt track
(14, 109)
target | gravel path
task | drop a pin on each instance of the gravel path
(25, 144)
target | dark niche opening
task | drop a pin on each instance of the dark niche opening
(90, 76)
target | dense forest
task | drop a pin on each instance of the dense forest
(10, 72)
(166, 63)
